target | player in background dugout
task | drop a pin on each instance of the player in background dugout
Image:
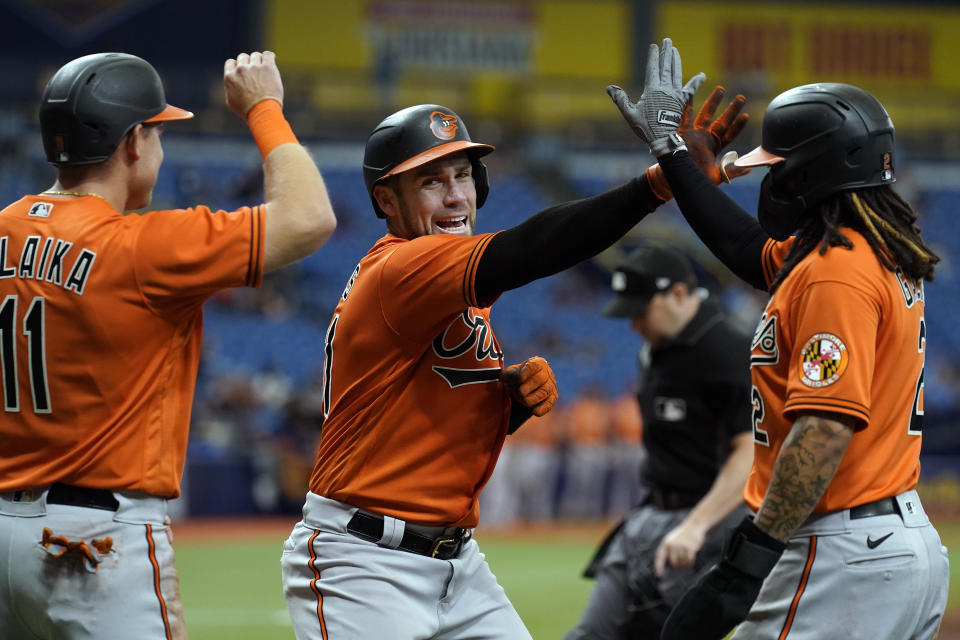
(840, 546)
(417, 400)
(100, 318)
(694, 397)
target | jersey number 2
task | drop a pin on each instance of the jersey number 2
(759, 435)
(33, 329)
(916, 413)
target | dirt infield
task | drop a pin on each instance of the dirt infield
(950, 629)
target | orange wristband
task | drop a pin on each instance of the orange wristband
(658, 182)
(268, 126)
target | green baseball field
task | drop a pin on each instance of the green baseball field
(230, 576)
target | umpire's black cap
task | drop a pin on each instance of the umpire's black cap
(644, 273)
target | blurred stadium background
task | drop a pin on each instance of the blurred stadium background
(529, 77)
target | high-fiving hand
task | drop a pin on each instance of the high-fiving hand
(249, 79)
(705, 139)
(656, 116)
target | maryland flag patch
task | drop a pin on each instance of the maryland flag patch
(823, 360)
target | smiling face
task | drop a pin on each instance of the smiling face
(437, 197)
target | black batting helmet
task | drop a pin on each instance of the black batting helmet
(92, 102)
(414, 136)
(820, 139)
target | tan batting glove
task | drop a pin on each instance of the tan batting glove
(532, 384)
(249, 79)
(705, 139)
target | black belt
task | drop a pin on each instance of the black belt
(669, 499)
(884, 507)
(82, 497)
(369, 526)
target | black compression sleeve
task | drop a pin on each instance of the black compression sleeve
(559, 237)
(518, 415)
(732, 234)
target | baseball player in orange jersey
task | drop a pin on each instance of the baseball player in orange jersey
(100, 331)
(840, 546)
(417, 400)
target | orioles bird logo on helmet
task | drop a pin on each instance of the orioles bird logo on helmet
(444, 125)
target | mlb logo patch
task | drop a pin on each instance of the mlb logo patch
(41, 210)
(619, 282)
(670, 409)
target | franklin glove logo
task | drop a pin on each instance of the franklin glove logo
(665, 116)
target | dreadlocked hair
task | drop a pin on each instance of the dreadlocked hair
(885, 220)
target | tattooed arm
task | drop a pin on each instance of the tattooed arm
(804, 468)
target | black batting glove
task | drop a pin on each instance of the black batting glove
(721, 598)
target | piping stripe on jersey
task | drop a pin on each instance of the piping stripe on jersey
(253, 240)
(464, 287)
(253, 261)
(152, 550)
(804, 578)
(258, 277)
(314, 584)
(766, 262)
(858, 409)
(471, 271)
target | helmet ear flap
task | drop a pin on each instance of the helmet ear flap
(481, 179)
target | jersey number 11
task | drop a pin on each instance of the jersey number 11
(33, 330)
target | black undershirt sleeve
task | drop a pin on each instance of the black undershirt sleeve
(732, 234)
(518, 415)
(559, 237)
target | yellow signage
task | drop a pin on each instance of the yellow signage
(574, 38)
(880, 47)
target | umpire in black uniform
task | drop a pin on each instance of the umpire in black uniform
(694, 397)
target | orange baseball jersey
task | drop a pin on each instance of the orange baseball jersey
(415, 416)
(589, 421)
(100, 327)
(842, 334)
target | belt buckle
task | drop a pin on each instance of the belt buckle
(439, 543)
